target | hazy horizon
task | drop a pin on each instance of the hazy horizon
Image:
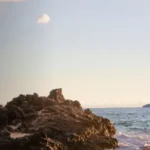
(96, 51)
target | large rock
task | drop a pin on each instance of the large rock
(53, 123)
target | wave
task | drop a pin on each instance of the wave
(133, 142)
(133, 124)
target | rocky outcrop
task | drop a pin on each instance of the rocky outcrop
(147, 105)
(56, 95)
(53, 123)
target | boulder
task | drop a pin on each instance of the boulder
(56, 95)
(53, 123)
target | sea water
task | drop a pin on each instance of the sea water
(132, 125)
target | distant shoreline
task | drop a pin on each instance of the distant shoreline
(146, 106)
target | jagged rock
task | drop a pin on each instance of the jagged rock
(56, 95)
(38, 141)
(14, 112)
(88, 111)
(54, 123)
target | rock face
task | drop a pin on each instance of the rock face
(53, 123)
(56, 95)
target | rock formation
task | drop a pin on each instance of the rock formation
(53, 123)
(147, 105)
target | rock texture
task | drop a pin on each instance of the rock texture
(52, 123)
(147, 105)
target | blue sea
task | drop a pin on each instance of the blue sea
(132, 124)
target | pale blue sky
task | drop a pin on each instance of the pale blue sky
(98, 51)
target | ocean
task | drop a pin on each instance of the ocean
(132, 125)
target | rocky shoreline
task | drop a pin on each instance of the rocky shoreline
(32, 122)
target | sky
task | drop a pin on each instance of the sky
(97, 51)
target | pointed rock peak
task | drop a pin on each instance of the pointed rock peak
(56, 95)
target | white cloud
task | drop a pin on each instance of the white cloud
(43, 19)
